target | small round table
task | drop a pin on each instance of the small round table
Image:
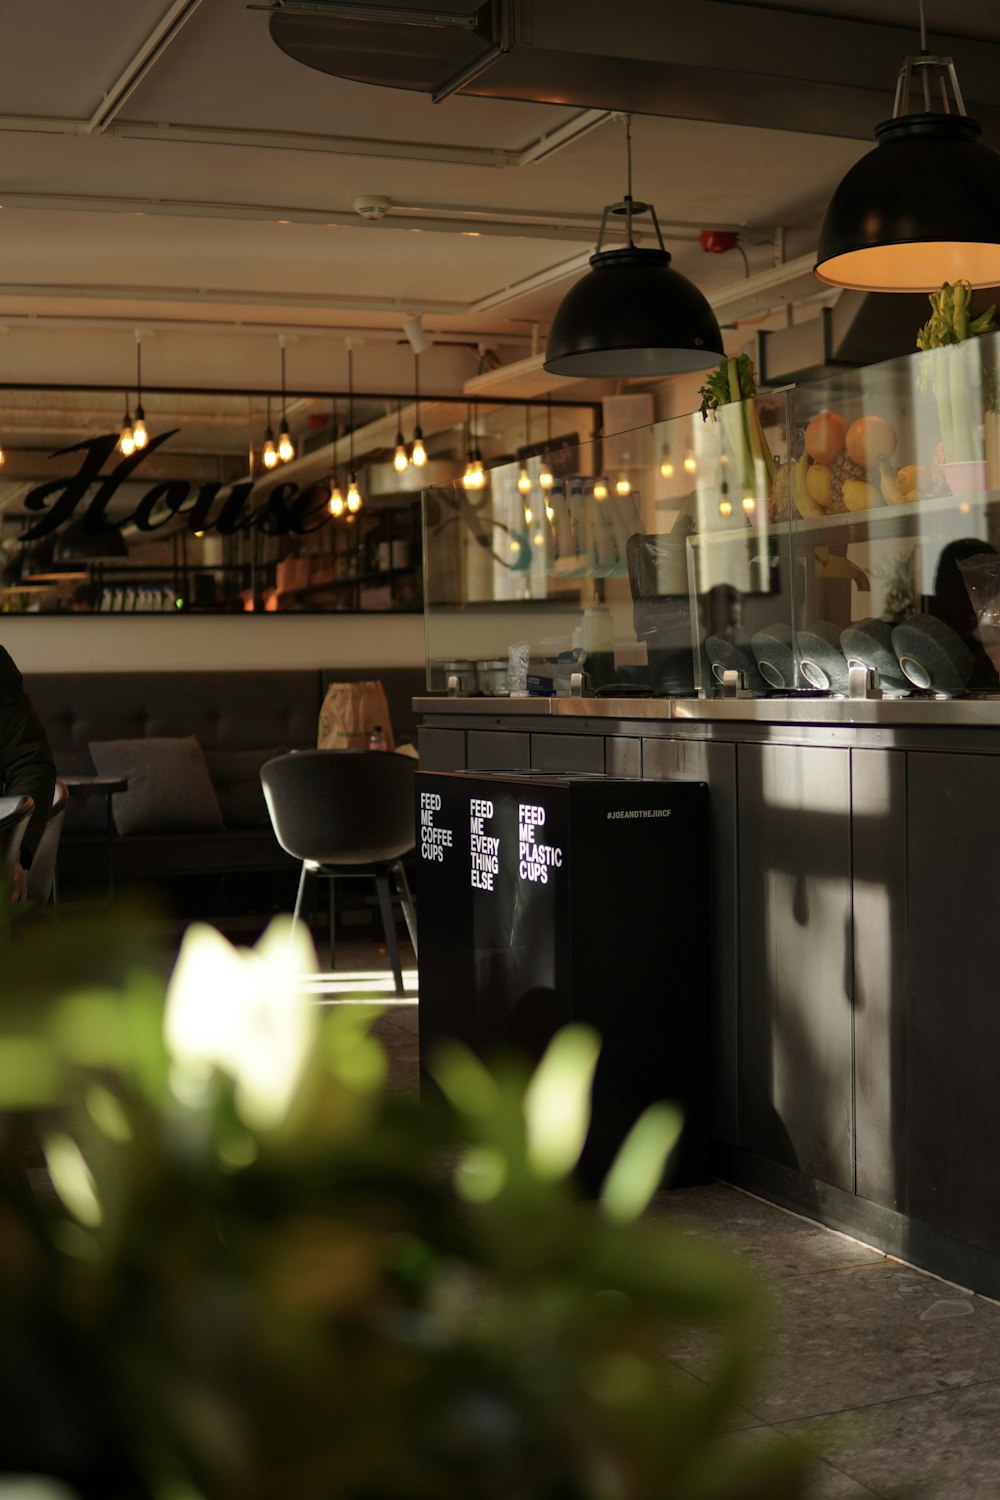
(104, 786)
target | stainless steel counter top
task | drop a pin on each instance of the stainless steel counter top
(931, 712)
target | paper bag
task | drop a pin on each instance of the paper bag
(349, 713)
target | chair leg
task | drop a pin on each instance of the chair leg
(406, 902)
(388, 922)
(298, 895)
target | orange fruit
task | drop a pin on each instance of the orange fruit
(869, 440)
(825, 437)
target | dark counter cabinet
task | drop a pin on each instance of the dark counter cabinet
(850, 973)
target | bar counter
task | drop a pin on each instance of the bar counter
(851, 974)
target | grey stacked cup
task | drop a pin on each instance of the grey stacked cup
(822, 663)
(932, 655)
(726, 655)
(868, 643)
(774, 650)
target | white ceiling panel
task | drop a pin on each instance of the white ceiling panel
(60, 56)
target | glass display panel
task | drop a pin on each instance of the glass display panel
(644, 561)
(895, 522)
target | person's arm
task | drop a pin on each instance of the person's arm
(26, 765)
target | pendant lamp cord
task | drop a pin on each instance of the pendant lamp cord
(283, 421)
(416, 388)
(628, 180)
(350, 403)
(138, 369)
(923, 53)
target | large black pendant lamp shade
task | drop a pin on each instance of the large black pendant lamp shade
(921, 209)
(632, 314)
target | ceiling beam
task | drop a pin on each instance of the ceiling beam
(142, 61)
(430, 218)
(174, 133)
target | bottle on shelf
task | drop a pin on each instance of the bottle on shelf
(376, 740)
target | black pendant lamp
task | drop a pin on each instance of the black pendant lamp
(632, 314)
(920, 209)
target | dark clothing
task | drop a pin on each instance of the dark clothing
(26, 765)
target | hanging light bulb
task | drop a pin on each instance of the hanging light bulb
(478, 479)
(140, 437)
(550, 514)
(126, 442)
(546, 478)
(418, 453)
(666, 463)
(690, 462)
(524, 478)
(725, 508)
(354, 500)
(528, 515)
(400, 459)
(600, 488)
(623, 485)
(749, 503)
(270, 454)
(335, 504)
(286, 448)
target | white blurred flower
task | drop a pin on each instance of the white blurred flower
(243, 1011)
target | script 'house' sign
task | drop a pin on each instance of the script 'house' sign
(86, 496)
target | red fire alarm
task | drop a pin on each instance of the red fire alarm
(717, 241)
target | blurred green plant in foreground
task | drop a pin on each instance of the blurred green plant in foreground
(233, 1267)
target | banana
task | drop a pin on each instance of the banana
(804, 502)
(891, 493)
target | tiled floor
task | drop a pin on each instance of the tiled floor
(893, 1376)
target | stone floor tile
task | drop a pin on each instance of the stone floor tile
(775, 1242)
(857, 1336)
(940, 1447)
(829, 1481)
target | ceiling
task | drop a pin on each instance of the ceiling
(165, 166)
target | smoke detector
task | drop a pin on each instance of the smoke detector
(371, 206)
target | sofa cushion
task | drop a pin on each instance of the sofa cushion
(236, 778)
(169, 786)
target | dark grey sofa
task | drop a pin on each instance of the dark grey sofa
(244, 711)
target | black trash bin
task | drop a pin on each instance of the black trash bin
(550, 899)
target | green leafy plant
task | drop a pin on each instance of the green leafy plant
(233, 1267)
(953, 369)
(729, 392)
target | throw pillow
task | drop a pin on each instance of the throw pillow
(236, 777)
(169, 789)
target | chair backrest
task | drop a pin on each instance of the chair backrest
(43, 867)
(341, 807)
(15, 813)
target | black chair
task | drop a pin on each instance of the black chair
(15, 814)
(348, 813)
(42, 882)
